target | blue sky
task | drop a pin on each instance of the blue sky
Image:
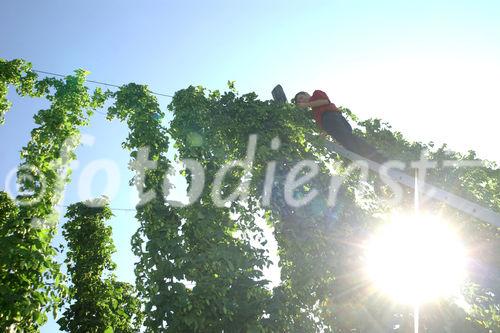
(430, 68)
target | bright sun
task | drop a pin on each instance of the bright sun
(416, 259)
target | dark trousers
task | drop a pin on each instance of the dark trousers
(335, 124)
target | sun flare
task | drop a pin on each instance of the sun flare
(416, 259)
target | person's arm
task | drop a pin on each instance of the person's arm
(318, 102)
(318, 98)
(313, 104)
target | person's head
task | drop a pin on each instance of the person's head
(301, 97)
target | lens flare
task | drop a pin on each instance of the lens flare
(416, 259)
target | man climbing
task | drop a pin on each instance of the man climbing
(330, 119)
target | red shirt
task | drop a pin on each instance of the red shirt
(318, 111)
